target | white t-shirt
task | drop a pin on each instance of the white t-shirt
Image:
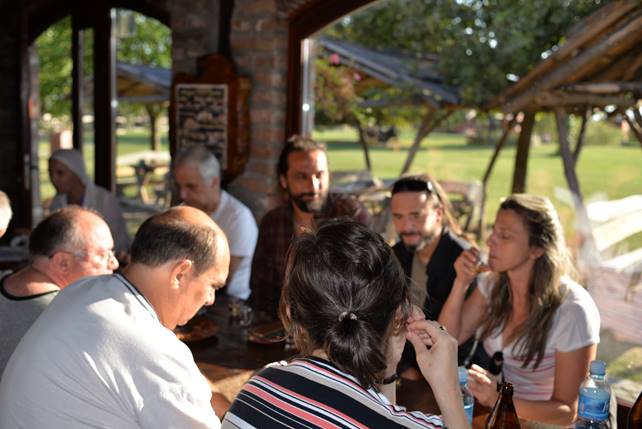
(576, 324)
(99, 357)
(239, 225)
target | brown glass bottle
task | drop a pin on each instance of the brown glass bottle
(635, 415)
(503, 415)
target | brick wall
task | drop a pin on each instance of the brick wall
(258, 42)
(259, 36)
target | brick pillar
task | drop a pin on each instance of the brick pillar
(258, 39)
(195, 32)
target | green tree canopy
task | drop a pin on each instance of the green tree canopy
(483, 45)
(150, 44)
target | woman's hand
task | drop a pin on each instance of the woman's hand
(397, 340)
(466, 266)
(438, 364)
(483, 385)
(436, 351)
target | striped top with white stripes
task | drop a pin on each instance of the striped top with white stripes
(312, 393)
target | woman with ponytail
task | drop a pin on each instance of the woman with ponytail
(345, 301)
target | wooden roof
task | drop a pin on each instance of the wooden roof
(599, 64)
(396, 68)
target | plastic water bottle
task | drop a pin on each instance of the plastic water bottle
(469, 399)
(595, 398)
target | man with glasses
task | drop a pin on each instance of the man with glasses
(69, 244)
(304, 178)
(430, 240)
(103, 354)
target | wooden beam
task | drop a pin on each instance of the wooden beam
(580, 136)
(562, 99)
(104, 99)
(637, 116)
(599, 22)
(422, 131)
(498, 147)
(633, 68)
(604, 87)
(590, 254)
(426, 127)
(521, 158)
(575, 68)
(77, 82)
(637, 133)
(23, 215)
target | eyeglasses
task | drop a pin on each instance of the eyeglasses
(103, 256)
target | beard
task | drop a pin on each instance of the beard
(425, 239)
(306, 202)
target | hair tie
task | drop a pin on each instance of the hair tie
(349, 314)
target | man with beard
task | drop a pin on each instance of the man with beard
(430, 242)
(304, 177)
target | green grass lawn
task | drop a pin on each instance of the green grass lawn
(612, 171)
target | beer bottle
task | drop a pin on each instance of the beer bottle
(635, 415)
(503, 415)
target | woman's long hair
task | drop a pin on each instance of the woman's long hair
(342, 291)
(544, 292)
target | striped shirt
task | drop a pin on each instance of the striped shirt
(576, 324)
(312, 393)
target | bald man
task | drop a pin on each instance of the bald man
(104, 354)
(67, 245)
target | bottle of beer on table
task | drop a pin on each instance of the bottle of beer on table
(635, 415)
(595, 399)
(503, 415)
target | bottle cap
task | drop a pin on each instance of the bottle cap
(598, 367)
(463, 375)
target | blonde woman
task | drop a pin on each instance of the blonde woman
(527, 307)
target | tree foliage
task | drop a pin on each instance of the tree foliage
(483, 45)
(150, 44)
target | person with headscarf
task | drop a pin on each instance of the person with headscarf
(73, 186)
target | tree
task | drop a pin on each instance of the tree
(483, 45)
(150, 44)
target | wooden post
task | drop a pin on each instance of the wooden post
(580, 137)
(23, 216)
(589, 254)
(521, 158)
(489, 169)
(153, 113)
(428, 124)
(364, 144)
(77, 82)
(633, 127)
(104, 99)
(424, 126)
